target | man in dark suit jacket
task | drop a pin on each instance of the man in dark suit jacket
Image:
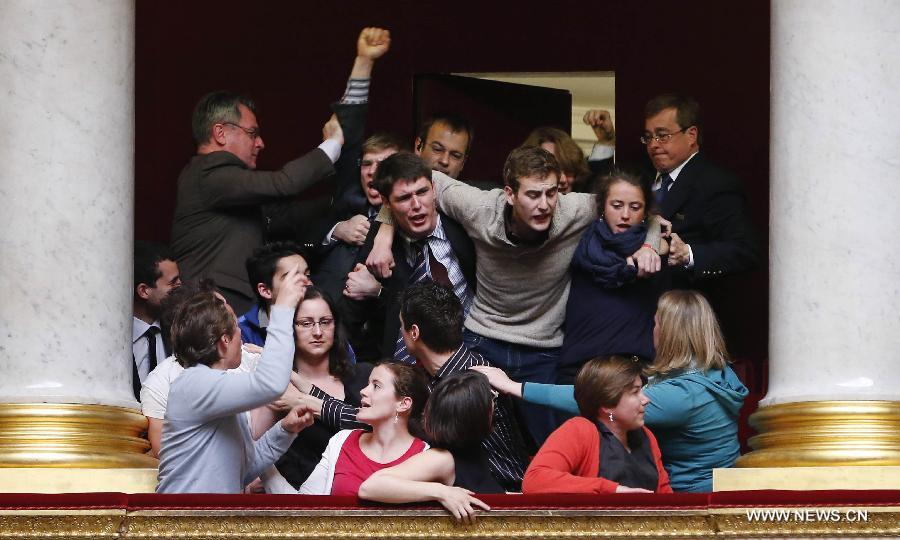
(347, 224)
(711, 235)
(218, 220)
(427, 244)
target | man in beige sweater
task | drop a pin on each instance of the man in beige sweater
(525, 236)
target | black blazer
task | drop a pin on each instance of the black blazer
(706, 206)
(332, 263)
(374, 324)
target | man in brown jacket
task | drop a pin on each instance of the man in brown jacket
(218, 220)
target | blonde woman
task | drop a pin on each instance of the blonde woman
(695, 397)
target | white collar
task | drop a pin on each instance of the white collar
(139, 328)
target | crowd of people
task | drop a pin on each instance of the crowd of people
(426, 339)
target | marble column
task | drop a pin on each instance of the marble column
(66, 182)
(834, 369)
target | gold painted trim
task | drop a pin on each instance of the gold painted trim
(71, 435)
(74, 526)
(391, 523)
(351, 526)
(825, 434)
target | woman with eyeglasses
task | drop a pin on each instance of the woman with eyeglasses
(320, 359)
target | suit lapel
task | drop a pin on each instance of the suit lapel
(681, 189)
(402, 269)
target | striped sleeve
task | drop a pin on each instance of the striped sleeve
(357, 92)
(336, 413)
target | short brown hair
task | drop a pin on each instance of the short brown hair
(689, 334)
(602, 381)
(528, 161)
(380, 142)
(437, 312)
(687, 110)
(214, 108)
(568, 154)
(197, 327)
(457, 123)
(400, 167)
(458, 413)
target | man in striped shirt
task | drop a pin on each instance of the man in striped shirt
(431, 321)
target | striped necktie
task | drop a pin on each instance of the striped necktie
(420, 272)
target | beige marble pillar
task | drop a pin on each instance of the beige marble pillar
(66, 182)
(834, 368)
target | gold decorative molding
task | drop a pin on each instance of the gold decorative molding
(734, 523)
(70, 435)
(393, 523)
(825, 433)
(420, 524)
(74, 524)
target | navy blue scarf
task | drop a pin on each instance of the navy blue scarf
(601, 254)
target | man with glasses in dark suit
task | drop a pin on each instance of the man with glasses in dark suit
(218, 220)
(711, 235)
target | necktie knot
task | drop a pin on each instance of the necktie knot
(152, 332)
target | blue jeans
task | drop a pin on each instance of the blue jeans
(522, 364)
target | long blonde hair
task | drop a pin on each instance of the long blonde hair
(689, 335)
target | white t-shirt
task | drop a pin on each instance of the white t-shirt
(155, 391)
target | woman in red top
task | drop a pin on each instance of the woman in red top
(394, 398)
(607, 449)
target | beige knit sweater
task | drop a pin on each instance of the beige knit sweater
(522, 289)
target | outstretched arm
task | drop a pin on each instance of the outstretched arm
(423, 477)
(558, 396)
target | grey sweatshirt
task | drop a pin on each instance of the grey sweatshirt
(206, 443)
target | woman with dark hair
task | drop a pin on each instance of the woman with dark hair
(206, 445)
(392, 403)
(457, 419)
(607, 449)
(320, 359)
(610, 307)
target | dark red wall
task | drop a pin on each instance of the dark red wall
(294, 57)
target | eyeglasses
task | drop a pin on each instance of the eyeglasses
(252, 133)
(306, 324)
(662, 137)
